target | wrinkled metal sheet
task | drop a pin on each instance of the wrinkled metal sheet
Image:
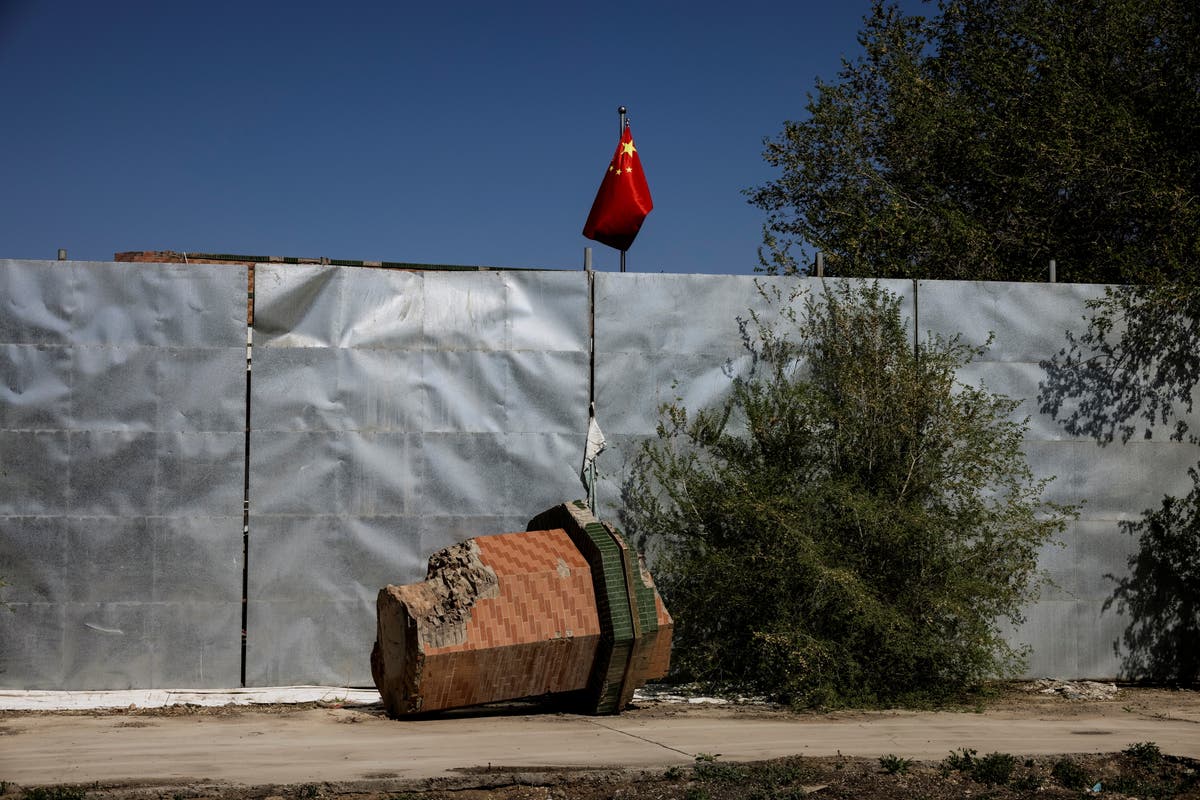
(395, 413)
(122, 408)
(1069, 630)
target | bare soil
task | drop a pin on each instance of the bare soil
(1136, 772)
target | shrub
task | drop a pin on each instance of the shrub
(994, 769)
(1144, 754)
(851, 526)
(893, 764)
(1069, 774)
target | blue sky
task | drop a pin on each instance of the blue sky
(461, 133)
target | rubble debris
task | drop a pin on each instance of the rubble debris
(566, 606)
(1074, 690)
(694, 694)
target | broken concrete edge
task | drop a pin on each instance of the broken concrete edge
(438, 613)
(628, 614)
(485, 624)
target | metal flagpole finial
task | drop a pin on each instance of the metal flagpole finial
(621, 110)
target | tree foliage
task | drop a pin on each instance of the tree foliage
(854, 524)
(993, 135)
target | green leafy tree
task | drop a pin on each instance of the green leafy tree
(993, 135)
(854, 524)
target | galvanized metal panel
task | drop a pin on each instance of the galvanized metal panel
(296, 305)
(113, 389)
(33, 561)
(548, 311)
(114, 305)
(136, 644)
(35, 475)
(1099, 631)
(1029, 320)
(543, 471)
(38, 303)
(1017, 380)
(1029, 323)
(333, 558)
(466, 311)
(1112, 483)
(468, 474)
(467, 391)
(196, 643)
(195, 475)
(201, 389)
(383, 474)
(382, 403)
(122, 420)
(113, 473)
(1050, 631)
(35, 387)
(396, 413)
(32, 656)
(292, 641)
(294, 473)
(110, 560)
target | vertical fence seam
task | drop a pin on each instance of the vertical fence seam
(246, 477)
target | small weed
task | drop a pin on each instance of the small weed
(1029, 782)
(701, 757)
(893, 764)
(55, 793)
(1069, 774)
(308, 791)
(673, 773)
(994, 769)
(1123, 784)
(960, 761)
(1146, 754)
(784, 773)
(717, 772)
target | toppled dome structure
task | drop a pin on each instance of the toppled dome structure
(566, 606)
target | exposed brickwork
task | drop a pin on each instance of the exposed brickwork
(172, 257)
(559, 609)
(177, 257)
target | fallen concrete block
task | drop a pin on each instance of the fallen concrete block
(566, 606)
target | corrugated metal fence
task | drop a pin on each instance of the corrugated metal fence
(390, 414)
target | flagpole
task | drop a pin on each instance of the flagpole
(621, 132)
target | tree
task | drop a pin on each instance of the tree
(854, 524)
(994, 135)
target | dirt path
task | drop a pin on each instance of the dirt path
(295, 745)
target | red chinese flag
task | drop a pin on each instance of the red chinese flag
(623, 200)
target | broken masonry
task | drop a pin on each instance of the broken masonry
(566, 606)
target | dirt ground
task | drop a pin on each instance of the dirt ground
(1059, 748)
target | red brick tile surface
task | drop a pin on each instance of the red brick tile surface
(509, 616)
